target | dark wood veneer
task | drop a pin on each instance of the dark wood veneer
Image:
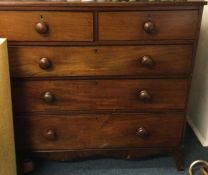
(100, 79)
(98, 131)
(167, 25)
(89, 95)
(62, 26)
(100, 60)
(145, 3)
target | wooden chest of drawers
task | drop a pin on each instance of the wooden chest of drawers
(100, 79)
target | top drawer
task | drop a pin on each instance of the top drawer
(147, 25)
(46, 26)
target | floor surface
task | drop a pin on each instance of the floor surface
(152, 166)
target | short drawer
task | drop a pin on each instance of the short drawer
(146, 60)
(92, 95)
(148, 25)
(46, 26)
(99, 131)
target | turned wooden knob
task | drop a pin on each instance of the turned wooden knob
(48, 97)
(142, 132)
(50, 134)
(42, 27)
(149, 27)
(45, 63)
(147, 61)
(145, 96)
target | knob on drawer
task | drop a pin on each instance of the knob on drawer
(42, 27)
(142, 132)
(48, 97)
(45, 63)
(145, 96)
(149, 27)
(147, 61)
(50, 134)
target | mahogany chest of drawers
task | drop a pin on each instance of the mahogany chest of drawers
(100, 79)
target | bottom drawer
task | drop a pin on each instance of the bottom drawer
(99, 131)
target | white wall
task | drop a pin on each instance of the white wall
(198, 99)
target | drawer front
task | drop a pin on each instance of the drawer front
(148, 25)
(91, 95)
(99, 131)
(46, 26)
(93, 61)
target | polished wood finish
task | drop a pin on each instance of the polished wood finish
(147, 61)
(63, 26)
(65, 3)
(142, 132)
(48, 97)
(149, 27)
(45, 63)
(102, 60)
(99, 131)
(145, 96)
(42, 27)
(91, 95)
(129, 25)
(50, 134)
(100, 79)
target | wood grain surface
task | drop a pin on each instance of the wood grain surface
(100, 60)
(63, 26)
(98, 131)
(129, 25)
(92, 95)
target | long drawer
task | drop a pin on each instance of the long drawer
(91, 95)
(107, 60)
(46, 26)
(99, 131)
(148, 25)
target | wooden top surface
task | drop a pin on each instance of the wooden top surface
(101, 2)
